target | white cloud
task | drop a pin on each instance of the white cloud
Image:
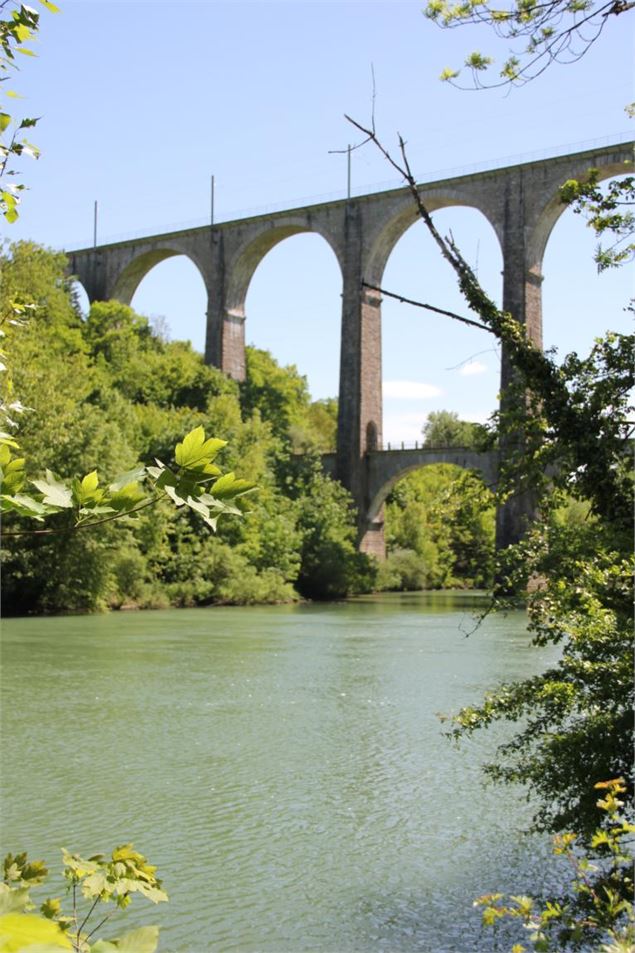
(409, 390)
(406, 427)
(473, 367)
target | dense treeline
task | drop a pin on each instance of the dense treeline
(106, 390)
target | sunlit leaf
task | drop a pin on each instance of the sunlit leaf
(55, 493)
(20, 931)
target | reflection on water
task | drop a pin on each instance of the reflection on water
(284, 767)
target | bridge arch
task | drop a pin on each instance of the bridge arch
(404, 214)
(253, 251)
(551, 208)
(137, 268)
(430, 362)
(387, 467)
(81, 299)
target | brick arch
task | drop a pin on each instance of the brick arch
(404, 213)
(390, 466)
(551, 207)
(248, 256)
(132, 274)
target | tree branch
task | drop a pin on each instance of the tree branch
(428, 307)
(78, 526)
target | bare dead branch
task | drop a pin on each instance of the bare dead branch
(427, 307)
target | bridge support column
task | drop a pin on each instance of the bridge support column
(225, 335)
(360, 399)
(91, 272)
(522, 297)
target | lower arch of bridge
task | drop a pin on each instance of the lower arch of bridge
(173, 293)
(394, 468)
(455, 463)
(292, 306)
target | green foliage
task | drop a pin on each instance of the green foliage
(607, 212)
(279, 394)
(330, 566)
(443, 428)
(106, 392)
(566, 434)
(16, 30)
(406, 570)
(535, 34)
(597, 910)
(91, 883)
(439, 530)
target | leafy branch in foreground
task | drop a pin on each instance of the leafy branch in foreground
(608, 213)
(567, 434)
(193, 480)
(16, 30)
(552, 31)
(91, 884)
(597, 911)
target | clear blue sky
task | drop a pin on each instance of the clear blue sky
(142, 101)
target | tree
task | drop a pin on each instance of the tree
(608, 213)
(575, 720)
(443, 428)
(444, 517)
(540, 33)
(92, 884)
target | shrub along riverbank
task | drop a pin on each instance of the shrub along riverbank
(106, 390)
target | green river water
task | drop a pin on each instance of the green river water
(283, 766)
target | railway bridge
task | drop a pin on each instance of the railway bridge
(520, 201)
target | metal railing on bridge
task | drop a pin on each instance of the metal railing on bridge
(417, 445)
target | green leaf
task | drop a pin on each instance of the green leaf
(142, 940)
(198, 507)
(20, 931)
(195, 451)
(55, 493)
(51, 908)
(127, 497)
(94, 884)
(5, 120)
(174, 496)
(86, 489)
(125, 479)
(228, 487)
(13, 899)
(24, 505)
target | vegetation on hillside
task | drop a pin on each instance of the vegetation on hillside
(106, 392)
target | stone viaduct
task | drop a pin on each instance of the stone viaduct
(520, 201)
